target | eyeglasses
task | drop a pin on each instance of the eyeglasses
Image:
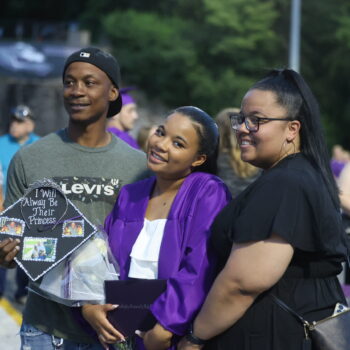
(251, 122)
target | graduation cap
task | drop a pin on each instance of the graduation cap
(49, 226)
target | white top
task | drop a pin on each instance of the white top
(145, 251)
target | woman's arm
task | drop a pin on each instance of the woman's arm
(188, 286)
(251, 269)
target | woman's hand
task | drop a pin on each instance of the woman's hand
(184, 344)
(96, 315)
(157, 338)
(8, 250)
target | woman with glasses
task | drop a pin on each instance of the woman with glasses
(282, 237)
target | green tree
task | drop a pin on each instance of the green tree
(205, 53)
(324, 52)
(154, 53)
(240, 43)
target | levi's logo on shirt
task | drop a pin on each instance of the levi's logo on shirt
(89, 189)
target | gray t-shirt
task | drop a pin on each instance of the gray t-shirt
(91, 178)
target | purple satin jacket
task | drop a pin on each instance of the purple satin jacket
(186, 259)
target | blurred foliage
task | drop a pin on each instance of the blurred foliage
(199, 52)
(208, 52)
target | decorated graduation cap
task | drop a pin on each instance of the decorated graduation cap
(48, 225)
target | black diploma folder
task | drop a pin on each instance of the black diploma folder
(134, 298)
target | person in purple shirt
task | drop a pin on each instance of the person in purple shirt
(121, 123)
(160, 227)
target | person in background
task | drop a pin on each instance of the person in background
(339, 159)
(81, 155)
(344, 189)
(343, 181)
(282, 236)
(236, 173)
(160, 227)
(2, 271)
(143, 136)
(21, 133)
(121, 123)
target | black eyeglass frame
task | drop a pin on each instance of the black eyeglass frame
(236, 126)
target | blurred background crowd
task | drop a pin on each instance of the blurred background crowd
(175, 52)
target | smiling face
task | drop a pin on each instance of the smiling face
(273, 140)
(173, 148)
(87, 92)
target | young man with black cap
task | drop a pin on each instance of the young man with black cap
(90, 165)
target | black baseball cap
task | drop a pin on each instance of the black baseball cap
(104, 61)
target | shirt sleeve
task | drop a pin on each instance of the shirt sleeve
(283, 204)
(187, 289)
(16, 183)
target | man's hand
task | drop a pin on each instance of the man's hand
(8, 250)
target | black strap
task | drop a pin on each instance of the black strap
(285, 307)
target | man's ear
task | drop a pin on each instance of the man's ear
(113, 93)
